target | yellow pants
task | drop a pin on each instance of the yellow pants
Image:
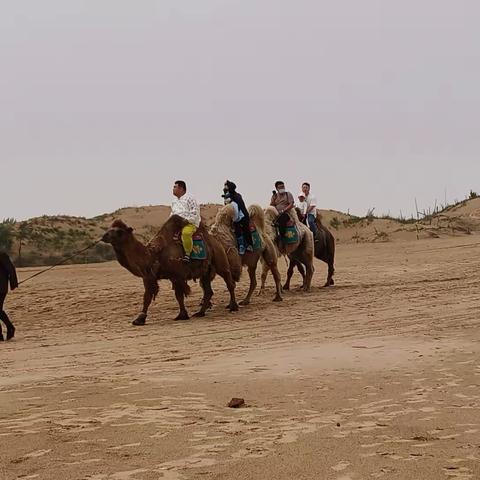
(187, 240)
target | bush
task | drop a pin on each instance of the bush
(335, 223)
(7, 235)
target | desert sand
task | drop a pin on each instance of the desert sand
(377, 377)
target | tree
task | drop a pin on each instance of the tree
(23, 233)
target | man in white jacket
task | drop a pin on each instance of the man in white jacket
(311, 208)
(185, 206)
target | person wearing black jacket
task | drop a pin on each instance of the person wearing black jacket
(243, 226)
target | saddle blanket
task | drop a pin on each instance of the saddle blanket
(256, 239)
(199, 251)
(291, 235)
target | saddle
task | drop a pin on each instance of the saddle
(291, 234)
(256, 240)
(199, 251)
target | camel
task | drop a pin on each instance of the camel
(324, 251)
(161, 259)
(300, 252)
(222, 229)
(8, 275)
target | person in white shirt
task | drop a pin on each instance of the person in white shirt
(301, 204)
(185, 206)
(311, 208)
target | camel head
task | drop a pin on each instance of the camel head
(118, 233)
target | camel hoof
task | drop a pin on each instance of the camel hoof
(1, 337)
(278, 298)
(233, 307)
(11, 333)
(244, 303)
(199, 314)
(140, 320)
(286, 287)
(182, 316)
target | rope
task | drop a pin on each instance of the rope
(61, 262)
(446, 248)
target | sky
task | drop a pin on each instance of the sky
(105, 103)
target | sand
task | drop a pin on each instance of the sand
(378, 377)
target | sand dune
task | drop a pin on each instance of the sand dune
(377, 377)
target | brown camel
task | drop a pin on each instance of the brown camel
(8, 275)
(223, 231)
(161, 259)
(324, 251)
(300, 252)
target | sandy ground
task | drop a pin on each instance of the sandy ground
(378, 377)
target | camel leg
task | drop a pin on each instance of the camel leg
(151, 290)
(291, 266)
(278, 282)
(179, 288)
(253, 284)
(265, 270)
(209, 305)
(206, 285)
(229, 282)
(301, 270)
(331, 271)
(1, 333)
(308, 277)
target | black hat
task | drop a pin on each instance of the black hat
(231, 186)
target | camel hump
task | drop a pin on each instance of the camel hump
(294, 216)
(271, 211)
(319, 218)
(257, 216)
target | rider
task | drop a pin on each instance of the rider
(237, 218)
(311, 208)
(283, 201)
(185, 206)
(301, 205)
(242, 222)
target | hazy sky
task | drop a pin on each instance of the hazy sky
(104, 103)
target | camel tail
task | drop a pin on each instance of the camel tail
(257, 216)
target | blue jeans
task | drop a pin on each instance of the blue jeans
(312, 223)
